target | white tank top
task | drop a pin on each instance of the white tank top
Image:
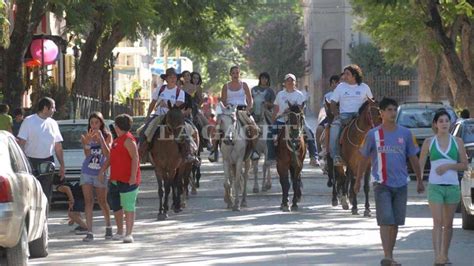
(439, 157)
(236, 97)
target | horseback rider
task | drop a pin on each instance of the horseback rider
(350, 94)
(157, 110)
(290, 94)
(237, 93)
(263, 97)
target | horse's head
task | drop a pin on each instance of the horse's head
(370, 112)
(227, 119)
(174, 119)
(295, 119)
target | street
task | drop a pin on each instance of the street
(207, 233)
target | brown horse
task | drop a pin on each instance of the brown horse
(167, 158)
(352, 138)
(291, 150)
(185, 171)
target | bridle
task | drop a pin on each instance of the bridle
(354, 122)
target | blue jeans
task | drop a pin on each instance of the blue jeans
(310, 141)
(390, 204)
(335, 132)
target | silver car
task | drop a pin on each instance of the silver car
(23, 205)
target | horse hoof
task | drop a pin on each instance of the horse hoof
(284, 207)
(355, 212)
(335, 202)
(268, 186)
(329, 183)
(255, 190)
(345, 206)
(162, 216)
(236, 208)
(294, 207)
(367, 213)
(197, 185)
(183, 205)
(178, 210)
(264, 189)
(229, 205)
(194, 191)
(243, 204)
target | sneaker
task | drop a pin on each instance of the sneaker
(338, 161)
(314, 161)
(108, 232)
(255, 155)
(128, 239)
(213, 157)
(89, 237)
(117, 237)
(80, 230)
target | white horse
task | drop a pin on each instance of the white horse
(262, 148)
(233, 148)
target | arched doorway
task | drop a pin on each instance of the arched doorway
(331, 57)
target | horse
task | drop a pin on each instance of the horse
(352, 138)
(167, 159)
(185, 171)
(235, 155)
(200, 121)
(263, 121)
(291, 151)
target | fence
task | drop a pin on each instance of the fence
(86, 105)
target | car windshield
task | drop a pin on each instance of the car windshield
(420, 117)
(72, 135)
(468, 133)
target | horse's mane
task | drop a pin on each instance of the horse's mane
(295, 108)
(364, 105)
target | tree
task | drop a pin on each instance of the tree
(27, 18)
(4, 25)
(443, 26)
(277, 47)
(371, 60)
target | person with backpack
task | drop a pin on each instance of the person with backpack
(169, 92)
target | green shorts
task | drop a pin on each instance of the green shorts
(128, 200)
(444, 194)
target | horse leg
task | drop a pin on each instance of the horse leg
(295, 179)
(177, 192)
(198, 175)
(161, 215)
(255, 175)
(227, 185)
(366, 192)
(332, 174)
(237, 185)
(285, 187)
(191, 179)
(353, 195)
(342, 186)
(243, 204)
(268, 183)
(167, 193)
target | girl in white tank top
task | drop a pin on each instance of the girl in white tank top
(236, 97)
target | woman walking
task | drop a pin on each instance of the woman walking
(447, 156)
(96, 144)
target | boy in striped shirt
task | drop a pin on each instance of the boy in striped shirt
(388, 147)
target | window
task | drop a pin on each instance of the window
(72, 135)
(17, 160)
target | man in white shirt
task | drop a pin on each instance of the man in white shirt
(350, 95)
(40, 139)
(292, 96)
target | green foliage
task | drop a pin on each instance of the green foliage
(372, 61)
(4, 25)
(277, 47)
(60, 95)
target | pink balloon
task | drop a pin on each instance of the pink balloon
(50, 50)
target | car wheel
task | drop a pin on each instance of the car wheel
(467, 219)
(18, 255)
(39, 247)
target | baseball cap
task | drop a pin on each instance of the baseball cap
(289, 75)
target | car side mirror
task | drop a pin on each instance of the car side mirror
(46, 168)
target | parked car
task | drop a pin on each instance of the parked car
(464, 129)
(467, 198)
(418, 118)
(23, 205)
(71, 130)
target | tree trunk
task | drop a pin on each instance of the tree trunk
(460, 85)
(28, 17)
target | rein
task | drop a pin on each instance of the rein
(354, 122)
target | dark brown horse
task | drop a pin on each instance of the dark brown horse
(291, 150)
(185, 171)
(351, 140)
(167, 158)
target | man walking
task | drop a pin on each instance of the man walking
(389, 145)
(40, 138)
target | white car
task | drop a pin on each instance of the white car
(467, 199)
(71, 131)
(23, 205)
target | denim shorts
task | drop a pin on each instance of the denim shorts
(93, 180)
(390, 204)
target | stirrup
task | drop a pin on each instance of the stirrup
(338, 161)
